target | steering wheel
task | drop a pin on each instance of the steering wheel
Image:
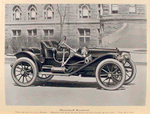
(61, 47)
(68, 47)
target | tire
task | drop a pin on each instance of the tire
(24, 69)
(130, 74)
(110, 74)
(44, 77)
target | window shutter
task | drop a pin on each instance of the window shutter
(17, 14)
(33, 13)
(115, 7)
(132, 8)
(49, 13)
(85, 11)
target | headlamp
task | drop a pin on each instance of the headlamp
(126, 55)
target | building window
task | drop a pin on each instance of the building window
(32, 34)
(84, 11)
(48, 33)
(114, 8)
(48, 12)
(16, 34)
(132, 8)
(32, 12)
(84, 37)
(16, 13)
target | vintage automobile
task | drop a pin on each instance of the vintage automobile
(111, 67)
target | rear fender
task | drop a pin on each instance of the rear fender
(30, 55)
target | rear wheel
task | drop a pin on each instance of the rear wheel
(110, 74)
(44, 77)
(24, 71)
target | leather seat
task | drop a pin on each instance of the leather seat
(48, 47)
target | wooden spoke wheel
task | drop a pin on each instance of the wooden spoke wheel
(24, 71)
(110, 74)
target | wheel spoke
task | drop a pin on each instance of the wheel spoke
(20, 77)
(26, 79)
(29, 77)
(125, 63)
(108, 82)
(19, 68)
(105, 71)
(128, 70)
(103, 75)
(27, 72)
(21, 65)
(112, 68)
(23, 79)
(105, 79)
(115, 70)
(127, 75)
(116, 74)
(114, 80)
(108, 68)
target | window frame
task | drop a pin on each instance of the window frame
(15, 8)
(130, 6)
(30, 12)
(84, 36)
(17, 35)
(48, 6)
(49, 35)
(33, 35)
(116, 11)
(81, 16)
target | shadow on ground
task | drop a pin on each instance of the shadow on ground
(72, 84)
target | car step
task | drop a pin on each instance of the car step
(55, 74)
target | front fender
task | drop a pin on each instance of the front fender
(96, 61)
(102, 57)
(30, 55)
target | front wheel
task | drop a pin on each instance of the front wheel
(130, 69)
(110, 74)
(24, 71)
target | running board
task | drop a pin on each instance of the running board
(55, 74)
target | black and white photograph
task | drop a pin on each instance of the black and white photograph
(75, 54)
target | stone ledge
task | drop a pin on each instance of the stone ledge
(71, 22)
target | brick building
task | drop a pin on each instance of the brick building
(81, 25)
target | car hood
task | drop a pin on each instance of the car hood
(95, 52)
(111, 50)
